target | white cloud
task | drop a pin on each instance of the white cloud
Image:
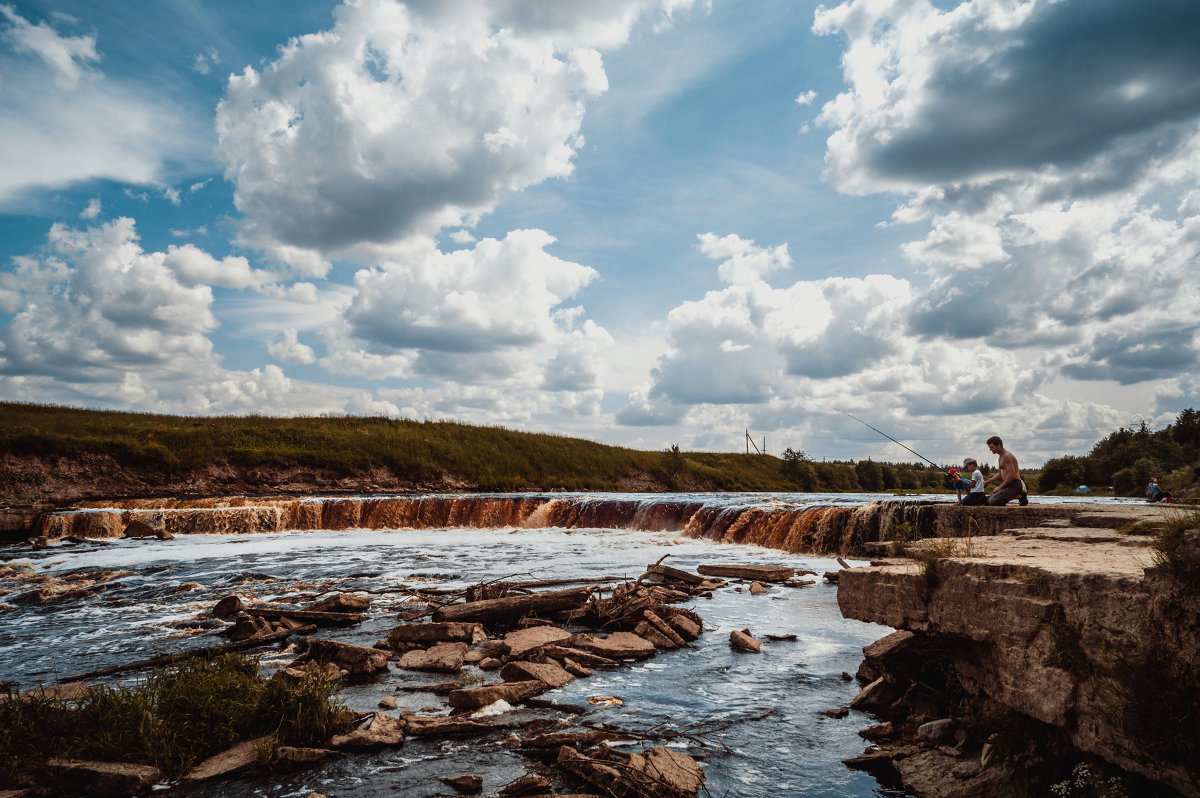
(193, 266)
(405, 118)
(288, 349)
(806, 97)
(91, 211)
(68, 57)
(204, 62)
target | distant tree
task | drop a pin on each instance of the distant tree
(672, 460)
(792, 460)
(870, 475)
(1066, 471)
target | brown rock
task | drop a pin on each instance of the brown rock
(878, 732)
(575, 669)
(241, 756)
(387, 702)
(249, 626)
(647, 631)
(443, 726)
(426, 633)
(444, 657)
(383, 730)
(877, 695)
(78, 777)
(618, 645)
(341, 602)
(466, 785)
(288, 757)
(757, 588)
(355, 659)
(526, 785)
(932, 774)
(139, 529)
(764, 573)
(512, 692)
(664, 628)
(490, 664)
(744, 641)
(521, 642)
(227, 607)
(71, 691)
(577, 654)
(687, 628)
(659, 773)
(840, 712)
(548, 673)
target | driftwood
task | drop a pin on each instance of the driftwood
(314, 616)
(208, 652)
(665, 573)
(765, 573)
(513, 607)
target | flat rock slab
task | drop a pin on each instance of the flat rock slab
(523, 641)
(563, 653)
(618, 645)
(548, 673)
(763, 573)
(291, 757)
(455, 726)
(443, 632)
(512, 692)
(341, 602)
(240, 757)
(383, 730)
(356, 659)
(744, 641)
(444, 658)
(104, 778)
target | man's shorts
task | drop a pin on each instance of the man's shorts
(1007, 494)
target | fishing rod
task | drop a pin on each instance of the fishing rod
(890, 438)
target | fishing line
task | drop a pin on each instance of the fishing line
(890, 438)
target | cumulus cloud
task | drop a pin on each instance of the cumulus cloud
(407, 117)
(193, 266)
(65, 122)
(288, 349)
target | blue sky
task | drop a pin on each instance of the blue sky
(642, 222)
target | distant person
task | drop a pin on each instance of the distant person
(1156, 494)
(975, 493)
(1008, 474)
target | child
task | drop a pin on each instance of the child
(974, 486)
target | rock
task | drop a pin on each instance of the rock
(575, 669)
(139, 529)
(71, 691)
(840, 712)
(526, 785)
(678, 773)
(660, 773)
(79, 777)
(573, 739)
(443, 726)
(490, 664)
(512, 692)
(548, 673)
(465, 785)
(764, 573)
(523, 641)
(41, 542)
(288, 757)
(444, 657)
(847, 677)
(894, 652)
(664, 629)
(618, 645)
(577, 654)
(744, 641)
(248, 627)
(932, 774)
(831, 576)
(987, 755)
(383, 730)
(687, 628)
(387, 702)
(297, 673)
(757, 588)
(936, 732)
(426, 633)
(647, 631)
(355, 659)
(878, 732)
(341, 602)
(872, 760)
(241, 756)
(877, 695)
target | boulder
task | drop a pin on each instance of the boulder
(341, 602)
(744, 641)
(79, 777)
(879, 732)
(618, 645)
(936, 732)
(444, 658)
(549, 673)
(897, 651)
(139, 529)
(468, 784)
(523, 641)
(658, 773)
(383, 730)
(355, 659)
(241, 756)
(387, 702)
(426, 633)
(512, 692)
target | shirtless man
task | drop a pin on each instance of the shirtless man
(1011, 485)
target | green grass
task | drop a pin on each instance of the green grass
(174, 719)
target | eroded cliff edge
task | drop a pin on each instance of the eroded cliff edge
(1039, 645)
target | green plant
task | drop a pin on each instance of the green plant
(902, 533)
(1083, 782)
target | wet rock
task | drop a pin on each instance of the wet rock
(387, 702)
(840, 712)
(876, 760)
(426, 633)
(892, 653)
(879, 732)
(232, 760)
(227, 607)
(139, 529)
(788, 638)
(249, 626)
(78, 777)
(522, 642)
(757, 588)
(549, 673)
(573, 739)
(575, 669)
(936, 732)
(444, 658)
(445, 688)
(355, 659)
(41, 542)
(664, 628)
(466, 785)
(744, 641)
(580, 656)
(383, 730)
(295, 674)
(647, 631)
(490, 664)
(831, 576)
(618, 645)
(512, 692)
(878, 695)
(847, 677)
(442, 726)
(687, 628)
(289, 757)
(660, 773)
(341, 602)
(526, 785)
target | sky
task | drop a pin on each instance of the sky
(641, 222)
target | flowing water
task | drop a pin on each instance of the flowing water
(755, 721)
